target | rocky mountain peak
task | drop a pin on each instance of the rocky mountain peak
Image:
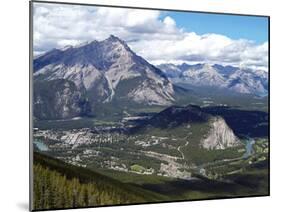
(113, 38)
(107, 69)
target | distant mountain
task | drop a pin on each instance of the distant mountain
(245, 81)
(248, 81)
(108, 71)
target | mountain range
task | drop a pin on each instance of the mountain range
(71, 81)
(245, 81)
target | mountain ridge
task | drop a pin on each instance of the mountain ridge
(217, 134)
(239, 80)
(101, 68)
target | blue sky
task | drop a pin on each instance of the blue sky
(234, 26)
(157, 36)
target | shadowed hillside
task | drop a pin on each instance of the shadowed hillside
(59, 185)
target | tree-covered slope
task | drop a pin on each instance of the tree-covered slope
(60, 185)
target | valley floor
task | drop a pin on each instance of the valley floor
(166, 163)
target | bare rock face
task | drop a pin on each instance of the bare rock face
(220, 136)
(239, 80)
(108, 70)
(58, 99)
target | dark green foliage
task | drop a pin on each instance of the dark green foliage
(176, 116)
(59, 185)
(215, 96)
(201, 156)
(243, 122)
(64, 124)
(254, 181)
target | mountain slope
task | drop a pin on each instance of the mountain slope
(205, 75)
(175, 116)
(246, 81)
(59, 99)
(101, 67)
(60, 185)
(207, 131)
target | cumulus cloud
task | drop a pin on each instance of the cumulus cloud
(149, 33)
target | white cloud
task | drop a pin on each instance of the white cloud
(158, 39)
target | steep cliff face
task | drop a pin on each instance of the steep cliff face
(58, 99)
(220, 136)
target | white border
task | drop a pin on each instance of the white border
(14, 88)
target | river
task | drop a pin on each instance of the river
(249, 147)
(40, 145)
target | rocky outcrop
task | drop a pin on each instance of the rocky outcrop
(220, 136)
